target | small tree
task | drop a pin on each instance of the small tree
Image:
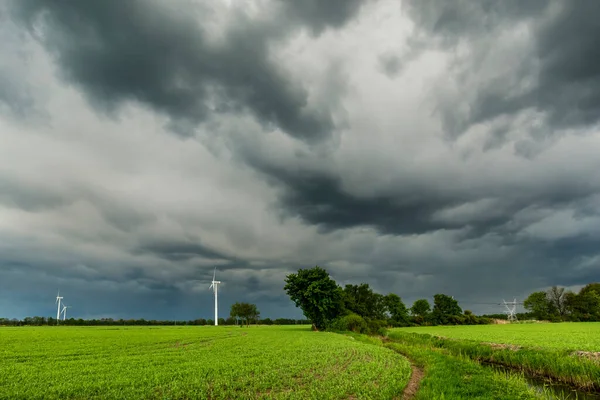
(319, 297)
(556, 296)
(420, 308)
(445, 308)
(244, 311)
(396, 309)
(235, 311)
(540, 306)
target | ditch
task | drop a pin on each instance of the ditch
(547, 388)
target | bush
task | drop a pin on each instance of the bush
(350, 322)
(376, 326)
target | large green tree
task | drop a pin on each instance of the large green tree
(361, 300)
(421, 309)
(584, 306)
(396, 309)
(591, 287)
(444, 309)
(540, 306)
(318, 296)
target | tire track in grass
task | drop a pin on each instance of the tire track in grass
(416, 376)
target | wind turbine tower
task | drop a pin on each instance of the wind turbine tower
(58, 299)
(214, 286)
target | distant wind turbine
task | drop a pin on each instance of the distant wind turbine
(64, 311)
(58, 299)
(214, 286)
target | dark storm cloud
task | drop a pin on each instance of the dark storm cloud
(15, 99)
(318, 198)
(179, 250)
(26, 196)
(562, 72)
(160, 56)
(454, 19)
(419, 206)
(319, 15)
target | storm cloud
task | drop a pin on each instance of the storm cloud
(418, 146)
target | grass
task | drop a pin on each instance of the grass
(453, 377)
(564, 336)
(556, 361)
(194, 362)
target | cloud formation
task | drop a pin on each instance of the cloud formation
(422, 147)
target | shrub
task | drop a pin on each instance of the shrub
(350, 322)
(376, 326)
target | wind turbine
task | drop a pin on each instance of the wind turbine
(64, 311)
(58, 299)
(214, 286)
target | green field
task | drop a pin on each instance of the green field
(194, 363)
(564, 352)
(567, 336)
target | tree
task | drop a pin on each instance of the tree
(396, 309)
(540, 306)
(591, 287)
(556, 296)
(445, 308)
(361, 300)
(318, 296)
(244, 311)
(584, 306)
(420, 308)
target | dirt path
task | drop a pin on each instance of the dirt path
(413, 383)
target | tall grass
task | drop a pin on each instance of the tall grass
(555, 364)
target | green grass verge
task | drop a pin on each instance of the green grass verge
(560, 336)
(194, 363)
(560, 365)
(452, 377)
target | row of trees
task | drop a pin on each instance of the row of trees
(558, 304)
(39, 321)
(357, 307)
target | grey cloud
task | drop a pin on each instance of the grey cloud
(559, 78)
(180, 250)
(141, 238)
(15, 99)
(158, 55)
(450, 21)
(29, 197)
(319, 15)
(417, 206)
(391, 64)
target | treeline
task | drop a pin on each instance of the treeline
(39, 321)
(358, 308)
(557, 304)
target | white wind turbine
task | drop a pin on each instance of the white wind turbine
(58, 299)
(214, 286)
(64, 311)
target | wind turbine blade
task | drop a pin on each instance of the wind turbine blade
(215, 273)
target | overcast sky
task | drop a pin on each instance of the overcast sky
(421, 146)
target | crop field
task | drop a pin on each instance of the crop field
(583, 336)
(194, 362)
